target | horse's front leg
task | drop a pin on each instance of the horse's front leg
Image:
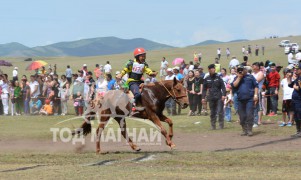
(163, 118)
(101, 126)
(156, 120)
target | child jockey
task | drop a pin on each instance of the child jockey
(135, 70)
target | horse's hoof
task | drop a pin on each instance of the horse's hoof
(138, 149)
(173, 147)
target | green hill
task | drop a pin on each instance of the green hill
(81, 48)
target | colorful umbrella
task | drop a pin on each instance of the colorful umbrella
(5, 63)
(177, 61)
(36, 65)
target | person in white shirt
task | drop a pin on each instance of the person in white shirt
(191, 66)
(108, 68)
(287, 99)
(290, 58)
(34, 87)
(298, 56)
(243, 49)
(15, 74)
(164, 66)
(219, 53)
(170, 104)
(233, 63)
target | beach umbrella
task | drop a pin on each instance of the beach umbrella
(5, 63)
(36, 65)
(177, 61)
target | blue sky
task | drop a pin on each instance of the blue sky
(173, 22)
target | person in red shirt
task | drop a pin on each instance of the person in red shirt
(273, 79)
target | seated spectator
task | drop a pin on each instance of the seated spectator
(47, 108)
(35, 105)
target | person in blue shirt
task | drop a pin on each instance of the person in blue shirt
(296, 100)
(177, 73)
(246, 88)
(35, 105)
(111, 82)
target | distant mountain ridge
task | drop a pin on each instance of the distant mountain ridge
(209, 42)
(89, 47)
(84, 47)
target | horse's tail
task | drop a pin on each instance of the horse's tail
(86, 127)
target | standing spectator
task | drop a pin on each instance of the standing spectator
(287, 99)
(233, 63)
(259, 76)
(217, 66)
(290, 58)
(216, 96)
(163, 68)
(34, 87)
(195, 57)
(200, 57)
(245, 63)
(176, 71)
(102, 84)
(18, 98)
(78, 103)
(63, 94)
(296, 99)
(274, 80)
(85, 70)
(224, 76)
(43, 71)
(256, 50)
(1, 83)
(262, 49)
(11, 87)
(243, 49)
(247, 94)
(108, 68)
(228, 53)
(97, 71)
(170, 104)
(89, 88)
(54, 96)
(186, 70)
(219, 52)
(191, 66)
(197, 88)
(4, 95)
(110, 81)
(190, 82)
(26, 96)
(68, 74)
(232, 75)
(15, 74)
(298, 56)
(250, 50)
(227, 105)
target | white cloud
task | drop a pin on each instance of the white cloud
(259, 27)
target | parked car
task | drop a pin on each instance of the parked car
(284, 43)
(293, 47)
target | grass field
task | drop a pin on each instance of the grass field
(200, 154)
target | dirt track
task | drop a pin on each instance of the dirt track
(185, 142)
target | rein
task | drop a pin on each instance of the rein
(174, 97)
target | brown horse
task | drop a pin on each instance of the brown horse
(116, 104)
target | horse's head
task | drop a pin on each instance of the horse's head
(178, 93)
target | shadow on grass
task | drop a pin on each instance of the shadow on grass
(258, 145)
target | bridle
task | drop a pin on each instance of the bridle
(173, 96)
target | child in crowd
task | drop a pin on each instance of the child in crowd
(47, 108)
(78, 104)
(228, 104)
